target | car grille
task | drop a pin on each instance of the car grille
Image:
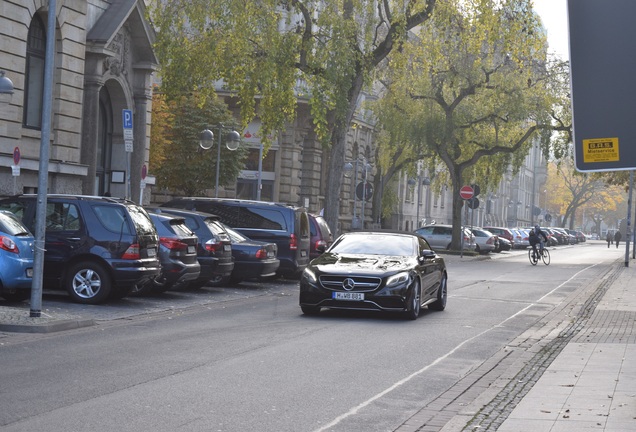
(360, 283)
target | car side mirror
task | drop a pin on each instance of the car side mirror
(321, 248)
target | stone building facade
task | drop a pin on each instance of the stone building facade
(103, 65)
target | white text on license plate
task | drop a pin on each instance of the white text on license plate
(152, 252)
(348, 296)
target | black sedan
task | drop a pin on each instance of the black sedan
(379, 271)
(253, 259)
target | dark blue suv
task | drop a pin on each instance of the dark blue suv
(96, 247)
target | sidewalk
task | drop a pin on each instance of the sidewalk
(592, 383)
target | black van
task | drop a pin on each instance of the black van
(285, 225)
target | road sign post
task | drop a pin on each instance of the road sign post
(15, 168)
(127, 123)
(466, 192)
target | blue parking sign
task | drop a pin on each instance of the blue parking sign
(127, 118)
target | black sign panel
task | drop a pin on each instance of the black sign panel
(603, 67)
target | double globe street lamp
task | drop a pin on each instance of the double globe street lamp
(6, 88)
(206, 141)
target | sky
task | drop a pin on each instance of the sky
(554, 15)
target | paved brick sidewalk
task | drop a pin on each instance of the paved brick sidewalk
(583, 378)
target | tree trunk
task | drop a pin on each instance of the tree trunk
(337, 158)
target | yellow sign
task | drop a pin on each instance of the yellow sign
(600, 150)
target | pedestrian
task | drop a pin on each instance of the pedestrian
(609, 238)
(617, 238)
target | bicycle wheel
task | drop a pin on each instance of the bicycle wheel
(533, 259)
(545, 257)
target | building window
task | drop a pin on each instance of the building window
(34, 74)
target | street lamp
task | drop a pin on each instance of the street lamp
(6, 88)
(206, 141)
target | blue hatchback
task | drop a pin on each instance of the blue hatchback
(16, 258)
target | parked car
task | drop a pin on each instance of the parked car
(502, 232)
(574, 238)
(402, 275)
(253, 259)
(581, 237)
(16, 258)
(214, 249)
(504, 244)
(521, 238)
(440, 236)
(177, 254)
(485, 241)
(96, 247)
(561, 237)
(321, 237)
(552, 238)
(285, 225)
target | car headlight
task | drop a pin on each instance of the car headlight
(398, 279)
(310, 276)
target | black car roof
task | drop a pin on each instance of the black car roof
(116, 200)
(234, 201)
(159, 210)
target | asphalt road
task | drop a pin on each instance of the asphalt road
(253, 362)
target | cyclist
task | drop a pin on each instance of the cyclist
(535, 237)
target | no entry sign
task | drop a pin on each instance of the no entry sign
(466, 192)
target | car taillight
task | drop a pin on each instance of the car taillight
(8, 245)
(212, 246)
(293, 242)
(261, 254)
(132, 252)
(172, 243)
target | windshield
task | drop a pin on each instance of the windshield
(374, 244)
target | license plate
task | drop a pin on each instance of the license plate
(152, 252)
(191, 249)
(348, 296)
(303, 253)
(271, 255)
(29, 272)
(227, 248)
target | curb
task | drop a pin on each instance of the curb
(50, 327)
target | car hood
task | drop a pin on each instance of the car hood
(332, 263)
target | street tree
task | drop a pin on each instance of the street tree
(571, 192)
(276, 51)
(479, 90)
(176, 158)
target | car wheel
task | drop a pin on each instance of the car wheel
(88, 283)
(415, 302)
(442, 295)
(310, 310)
(219, 281)
(17, 295)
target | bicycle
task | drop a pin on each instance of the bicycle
(543, 253)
